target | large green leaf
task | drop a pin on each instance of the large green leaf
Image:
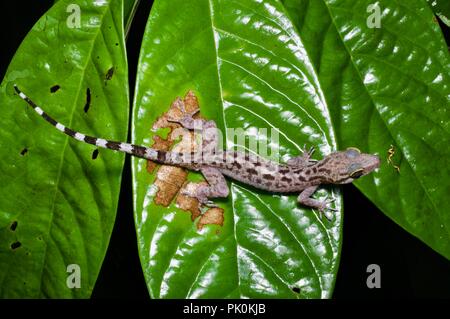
(388, 86)
(58, 204)
(245, 62)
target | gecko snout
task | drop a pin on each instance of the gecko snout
(376, 161)
(370, 162)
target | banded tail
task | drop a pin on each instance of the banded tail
(135, 150)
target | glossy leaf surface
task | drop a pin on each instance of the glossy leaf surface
(58, 203)
(388, 89)
(245, 62)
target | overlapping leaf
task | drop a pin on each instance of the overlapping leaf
(246, 63)
(58, 204)
(442, 9)
(388, 89)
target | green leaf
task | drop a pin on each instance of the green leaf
(56, 201)
(245, 62)
(442, 9)
(388, 86)
(130, 8)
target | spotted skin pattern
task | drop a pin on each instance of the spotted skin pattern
(300, 174)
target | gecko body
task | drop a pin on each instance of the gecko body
(300, 174)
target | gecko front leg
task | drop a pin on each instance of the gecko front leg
(302, 160)
(217, 186)
(304, 198)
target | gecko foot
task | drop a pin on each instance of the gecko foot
(200, 194)
(309, 152)
(323, 208)
(187, 120)
(305, 199)
(304, 159)
(210, 204)
(187, 117)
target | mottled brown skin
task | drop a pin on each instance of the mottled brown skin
(299, 175)
(336, 168)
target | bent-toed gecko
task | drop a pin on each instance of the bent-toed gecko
(300, 174)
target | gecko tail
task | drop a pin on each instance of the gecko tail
(135, 150)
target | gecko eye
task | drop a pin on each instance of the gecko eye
(357, 174)
(352, 152)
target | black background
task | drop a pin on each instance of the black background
(409, 269)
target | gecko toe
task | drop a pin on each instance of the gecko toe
(173, 120)
(329, 217)
(210, 204)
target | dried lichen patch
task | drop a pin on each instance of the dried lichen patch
(171, 181)
(211, 216)
(187, 203)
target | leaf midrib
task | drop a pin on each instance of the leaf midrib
(316, 82)
(216, 50)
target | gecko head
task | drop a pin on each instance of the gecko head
(351, 164)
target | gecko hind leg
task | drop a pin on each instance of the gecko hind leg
(304, 198)
(217, 187)
(207, 128)
(187, 119)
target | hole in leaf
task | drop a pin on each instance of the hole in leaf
(24, 151)
(296, 290)
(117, 44)
(88, 100)
(95, 154)
(16, 245)
(13, 225)
(54, 88)
(109, 74)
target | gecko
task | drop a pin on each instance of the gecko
(300, 174)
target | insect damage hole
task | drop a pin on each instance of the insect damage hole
(88, 100)
(13, 225)
(54, 88)
(95, 154)
(296, 290)
(109, 74)
(16, 245)
(24, 151)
